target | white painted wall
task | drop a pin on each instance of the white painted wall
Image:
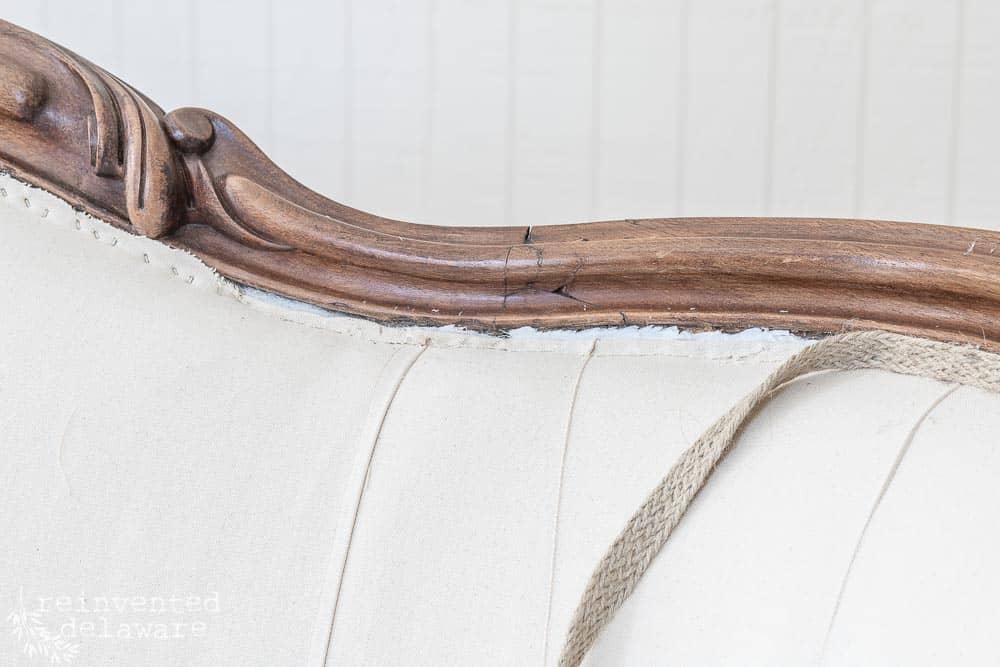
(541, 111)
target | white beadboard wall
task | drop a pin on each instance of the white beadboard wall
(546, 111)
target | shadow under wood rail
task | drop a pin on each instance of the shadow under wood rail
(194, 181)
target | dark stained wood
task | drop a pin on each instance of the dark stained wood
(194, 181)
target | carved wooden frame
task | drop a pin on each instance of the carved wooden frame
(192, 180)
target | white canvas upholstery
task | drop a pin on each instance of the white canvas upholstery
(324, 490)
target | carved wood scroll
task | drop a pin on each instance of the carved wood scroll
(194, 181)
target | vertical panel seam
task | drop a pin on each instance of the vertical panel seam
(956, 108)
(597, 54)
(861, 114)
(271, 62)
(511, 120)
(559, 494)
(193, 69)
(681, 109)
(359, 498)
(889, 478)
(348, 101)
(772, 100)
(430, 93)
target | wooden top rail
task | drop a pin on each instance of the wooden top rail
(192, 180)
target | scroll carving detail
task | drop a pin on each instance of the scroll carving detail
(193, 180)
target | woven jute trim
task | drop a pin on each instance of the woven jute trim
(618, 572)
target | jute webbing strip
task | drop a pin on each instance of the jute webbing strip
(618, 572)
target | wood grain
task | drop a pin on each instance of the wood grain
(194, 181)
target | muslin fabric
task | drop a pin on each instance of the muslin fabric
(621, 568)
(329, 491)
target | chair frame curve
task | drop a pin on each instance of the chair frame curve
(191, 179)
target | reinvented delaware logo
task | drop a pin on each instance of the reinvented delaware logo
(54, 628)
(37, 639)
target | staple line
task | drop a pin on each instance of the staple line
(624, 563)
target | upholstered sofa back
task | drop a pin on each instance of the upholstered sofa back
(198, 471)
(324, 490)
